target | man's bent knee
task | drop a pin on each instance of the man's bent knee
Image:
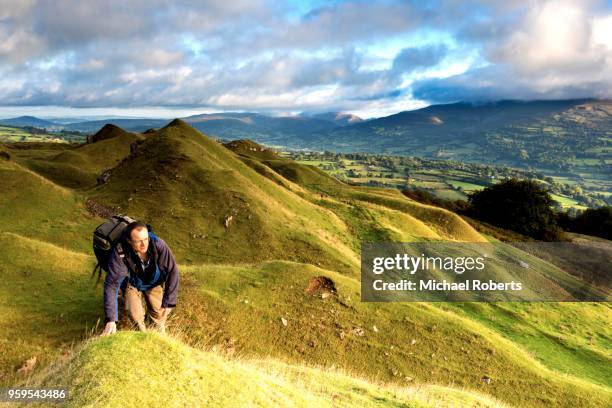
(133, 301)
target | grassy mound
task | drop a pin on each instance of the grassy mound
(431, 222)
(108, 131)
(145, 369)
(310, 176)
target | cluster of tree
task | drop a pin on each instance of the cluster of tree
(575, 191)
(34, 130)
(523, 206)
(71, 133)
(593, 221)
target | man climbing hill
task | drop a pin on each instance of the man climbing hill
(150, 269)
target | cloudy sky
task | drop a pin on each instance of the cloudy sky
(171, 58)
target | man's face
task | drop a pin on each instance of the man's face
(139, 239)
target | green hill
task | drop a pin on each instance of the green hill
(243, 278)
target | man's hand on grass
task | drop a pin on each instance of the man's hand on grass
(110, 328)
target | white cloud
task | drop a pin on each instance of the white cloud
(364, 56)
(559, 49)
(10, 9)
(17, 45)
(556, 36)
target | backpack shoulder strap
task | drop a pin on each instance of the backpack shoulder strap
(154, 247)
(120, 250)
(125, 257)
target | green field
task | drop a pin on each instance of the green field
(466, 186)
(567, 202)
(11, 134)
(15, 134)
(452, 180)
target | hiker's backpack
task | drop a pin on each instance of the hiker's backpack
(111, 234)
(106, 237)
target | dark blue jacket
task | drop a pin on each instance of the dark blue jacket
(166, 271)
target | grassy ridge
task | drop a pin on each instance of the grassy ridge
(441, 223)
(571, 338)
(411, 342)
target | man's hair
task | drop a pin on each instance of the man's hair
(136, 225)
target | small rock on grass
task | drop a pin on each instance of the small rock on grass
(358, 331)
(27, 366)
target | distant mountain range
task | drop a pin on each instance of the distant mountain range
(231, 125)
(23, 121)
(339, 118)
(561, 135)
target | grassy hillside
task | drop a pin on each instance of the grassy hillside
(46, 301)
(244, 284)
(401, 343)
(237, 311)
(415, 220)
(36, 207)
(181, 376)
(203, 198)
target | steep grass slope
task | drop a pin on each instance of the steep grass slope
(238, 311)
(425, 221)
(400, 343)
